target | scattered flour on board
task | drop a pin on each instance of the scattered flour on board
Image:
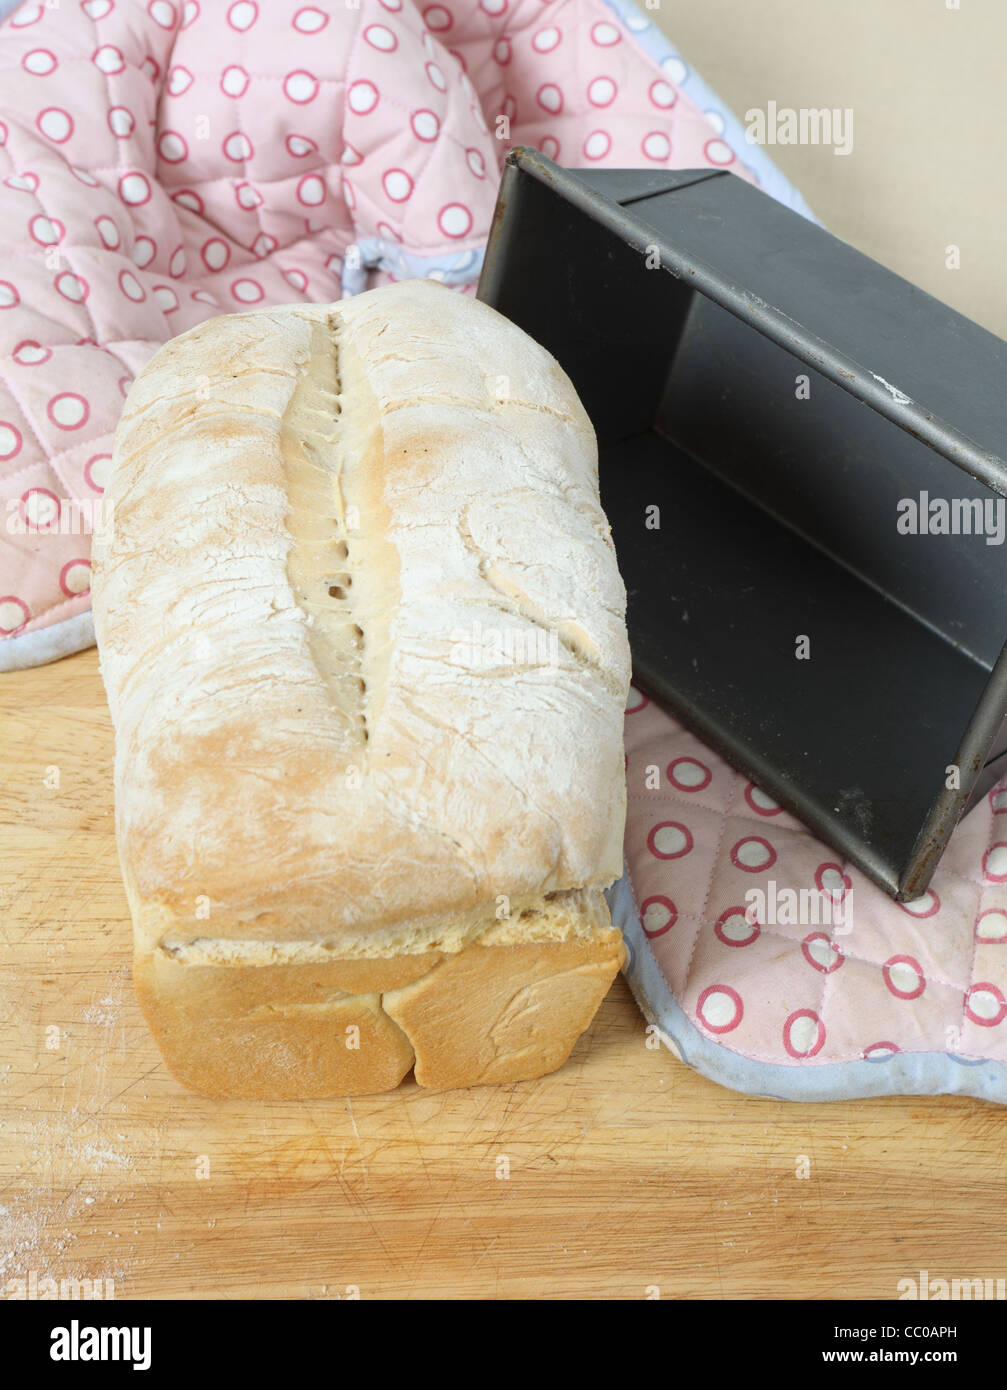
(68, 1147)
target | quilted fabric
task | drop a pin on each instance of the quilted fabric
(162, 162)
(874, 996)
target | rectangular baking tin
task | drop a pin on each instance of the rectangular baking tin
(776, 395)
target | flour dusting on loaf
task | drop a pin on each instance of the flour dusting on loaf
(362, 633)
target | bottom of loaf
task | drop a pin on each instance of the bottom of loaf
(486, 1014)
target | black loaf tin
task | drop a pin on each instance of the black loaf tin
(685, 306)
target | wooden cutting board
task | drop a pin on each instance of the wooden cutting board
(621, 1175)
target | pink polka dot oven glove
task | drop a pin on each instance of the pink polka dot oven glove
(162, 162)
(842, 993)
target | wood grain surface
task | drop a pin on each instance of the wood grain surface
(624, 1175)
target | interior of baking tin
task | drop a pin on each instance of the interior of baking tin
(777, 497)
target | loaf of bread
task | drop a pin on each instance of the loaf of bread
(362, 634)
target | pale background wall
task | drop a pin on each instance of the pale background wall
(927, 87)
